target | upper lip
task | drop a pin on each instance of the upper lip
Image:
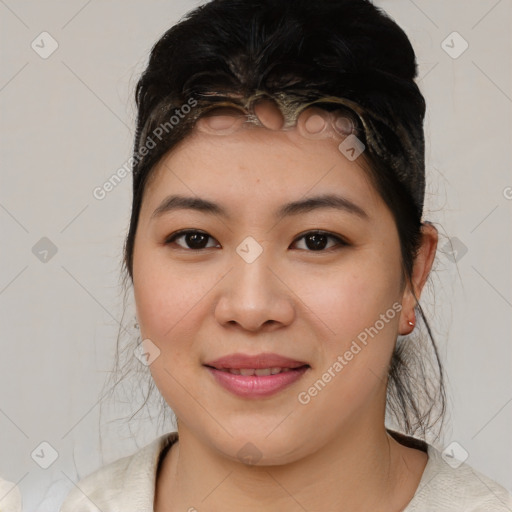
(265, 360)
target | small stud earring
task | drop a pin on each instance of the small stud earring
(411, 323)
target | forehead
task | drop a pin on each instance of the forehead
(257, 164)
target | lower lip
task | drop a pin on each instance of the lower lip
(253, 386)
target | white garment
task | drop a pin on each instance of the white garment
(10, 497)
(128, 485)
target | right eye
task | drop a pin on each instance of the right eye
(194, 240)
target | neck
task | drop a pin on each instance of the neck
(363, 468)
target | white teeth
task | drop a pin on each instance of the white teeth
(260, 372)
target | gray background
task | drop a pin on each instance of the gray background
(67, 126)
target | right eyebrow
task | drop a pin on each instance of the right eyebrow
(176, 202)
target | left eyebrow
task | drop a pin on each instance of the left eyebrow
(323, 201)
(177, 202)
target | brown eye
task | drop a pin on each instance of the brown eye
(316, 241)
(195, 240)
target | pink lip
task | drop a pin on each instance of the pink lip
(253, 386)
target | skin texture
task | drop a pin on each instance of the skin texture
(332, 453)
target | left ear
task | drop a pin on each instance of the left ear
(421, 269)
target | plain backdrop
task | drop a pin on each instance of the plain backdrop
(67, 124)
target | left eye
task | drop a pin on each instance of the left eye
(315, 241)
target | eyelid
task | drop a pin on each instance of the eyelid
(341, 241)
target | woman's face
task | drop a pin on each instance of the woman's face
(251, 282)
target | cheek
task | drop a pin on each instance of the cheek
(171, 299)
(362, 318)
(358, 308)
(164, 297)
(168, 300)
(351, 297)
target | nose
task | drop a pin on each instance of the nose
(254, 297)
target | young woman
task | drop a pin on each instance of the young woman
(277, 253)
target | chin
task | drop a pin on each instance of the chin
(252, 445)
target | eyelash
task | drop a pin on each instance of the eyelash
(340, 241)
